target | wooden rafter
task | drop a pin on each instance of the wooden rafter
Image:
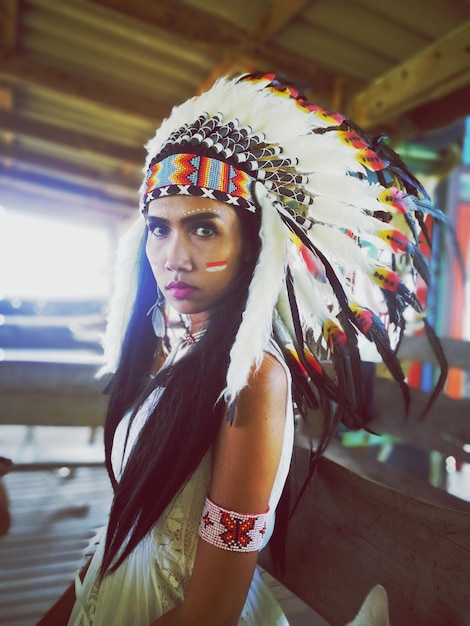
(276, 18)
(34, 195)
(222, 37)
(25, 68)
(229, 65)
(186, 21)
(434, 73)
(80, 142)
(117, 184)
(6, 98)
(9, 24)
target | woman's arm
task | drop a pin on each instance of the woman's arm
(245, 461)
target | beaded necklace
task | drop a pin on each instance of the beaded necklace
(191, 338)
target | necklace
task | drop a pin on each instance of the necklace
(192, 338)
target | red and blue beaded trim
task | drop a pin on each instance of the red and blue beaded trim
(229, 530)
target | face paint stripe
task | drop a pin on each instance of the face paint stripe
(216, 266)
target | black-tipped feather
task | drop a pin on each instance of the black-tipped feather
(374, 330)
(443, 366)
(421, 265)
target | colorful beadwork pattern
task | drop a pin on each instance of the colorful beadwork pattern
(229, 530)
(196, 175)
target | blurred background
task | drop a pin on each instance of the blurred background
(83, 85)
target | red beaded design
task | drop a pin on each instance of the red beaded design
(229, 530)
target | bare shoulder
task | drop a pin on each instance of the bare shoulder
(265, 396)
(270, 372)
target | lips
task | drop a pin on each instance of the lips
(180, 290)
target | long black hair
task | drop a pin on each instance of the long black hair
(184, 424)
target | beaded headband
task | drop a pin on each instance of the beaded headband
(200, 176)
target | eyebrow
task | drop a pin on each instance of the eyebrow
(187, 219)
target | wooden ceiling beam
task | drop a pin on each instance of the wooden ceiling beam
(184, 20)
(276, 18)
(76, 141)
(9, 24)
(437, 71)
(230, 65)
(117, 184)
(6, 98)
(27, 69)
(224, 38)
(442, 112)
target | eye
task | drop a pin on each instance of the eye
(156, 228)
(205, 230)
(159, 231)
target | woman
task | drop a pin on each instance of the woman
(259, 211)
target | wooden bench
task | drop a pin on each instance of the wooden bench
(350, 533)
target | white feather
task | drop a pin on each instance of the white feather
(322, 153)
(312, 306)
(330, 211)
(256, 327)
(347, 189)
(283, 313)
(340, 249)
(124, 294)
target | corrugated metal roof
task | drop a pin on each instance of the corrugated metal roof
(84, 83)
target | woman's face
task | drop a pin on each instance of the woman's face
(194, 246)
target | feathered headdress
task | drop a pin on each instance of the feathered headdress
(338, 209)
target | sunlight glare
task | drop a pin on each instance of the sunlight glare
(49, 259)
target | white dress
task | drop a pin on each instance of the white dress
(154, 577)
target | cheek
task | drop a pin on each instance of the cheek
(222, 271)
(225, 259)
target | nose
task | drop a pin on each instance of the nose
(178, 256)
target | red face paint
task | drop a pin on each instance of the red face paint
(216, 266)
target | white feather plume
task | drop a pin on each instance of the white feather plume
(256, 327)
(283, 315)
(340, 249)
(330, 211)
(322, 153)
(123, 296)
(311, 301)
(348, 189)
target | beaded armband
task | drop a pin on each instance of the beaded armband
(229, 530)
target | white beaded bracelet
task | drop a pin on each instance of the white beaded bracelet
(229, 530)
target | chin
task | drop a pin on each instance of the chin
(186, 308)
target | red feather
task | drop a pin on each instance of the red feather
(334, 335)
(397, 240)
(395, 198)
(371, 160)
(352, 139)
